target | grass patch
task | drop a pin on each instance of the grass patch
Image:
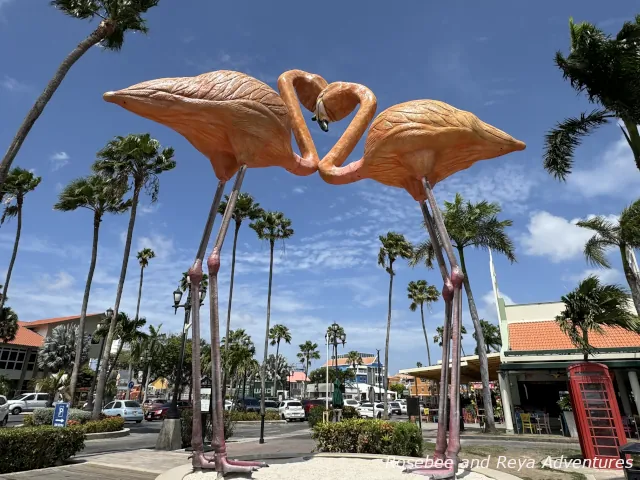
(482, 451)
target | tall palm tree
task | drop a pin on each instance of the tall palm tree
(607, 70)
(277, 367)
(15, 188)
(473, 225)
(246, 208)
(492, 338)
(128, 332)
(58, 351)
(99, 196)
(143, 257)
(135, 159)
(623, 234)
(276, 334)
(437, 338)
(308, 351)
(394, 246)
(152, 350)
(117, 17)
(8, 324)
(354, 359)
(420, 292)
(270, 227)
(592, 305)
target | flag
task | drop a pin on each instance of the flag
(494, 283)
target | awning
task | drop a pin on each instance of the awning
(469, 369)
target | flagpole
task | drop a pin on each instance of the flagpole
(494, 284)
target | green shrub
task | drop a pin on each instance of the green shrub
(111, 424)
(369, 436)
(29, 448)
(349, 412)
(187, 424)
(315, 415)
(238, 416)
(44, 416)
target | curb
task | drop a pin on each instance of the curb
(102, 435)
(257, 422)
(178, 473)
(513, 437)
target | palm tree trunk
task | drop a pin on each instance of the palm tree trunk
(386, 346)
(633, 139)
(139, 292)
(426, 337)
(482, 350)
(306, 376)
(266, 335)
(104, 29)
(115, 359)
(226, 335)
(275, 376)
(85, 302)
(146, 383)
(631, 275)
(102, 380)
(244, 386)
(585, 339)
(14, 254)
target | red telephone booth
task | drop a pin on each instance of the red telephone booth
(596, 413)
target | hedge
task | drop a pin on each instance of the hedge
(315, 414)
(238, 416)
(30, 448)
(110, 424)
(44, 416)
(369, 436)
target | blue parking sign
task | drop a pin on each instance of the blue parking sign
(60, 414)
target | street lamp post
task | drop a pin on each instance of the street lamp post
(173, 412)
(105, 321)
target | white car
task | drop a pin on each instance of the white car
(350, 402)
(28, 402)
(4, 411)
(291, 410)
(395, 407)
(369, 410)
(127, 409)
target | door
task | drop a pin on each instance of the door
(117, 408)
(107, 410)
(42, 400)
(30, 402)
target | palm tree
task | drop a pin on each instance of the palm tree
(623, 234)
(276, 334)
(420, 292)
(308, 351)
(394, 246)
(354, 359)
(419, 364)
(117, 17)
(437, 338)
(152, 350)
(19, 182)
(277, 367)
(246, 208)
(143, 257)
(128, 332)
(96, 194)
(58, 351)
(607, 70)
(271, 227)
(473, 225)
(492, 338)
(138, 159)
(8, 324)
(592, 305)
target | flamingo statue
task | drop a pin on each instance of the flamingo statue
(414, 145)
(237, 122)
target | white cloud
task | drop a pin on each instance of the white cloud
(60, 281)
(161, 245)
(9, 83)
(613, 173)
(555, 237)
(59, 160)
(300, 189)
(489, 299)
(606, 275)
(149, 209)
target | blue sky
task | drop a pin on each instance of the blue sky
(495, 60)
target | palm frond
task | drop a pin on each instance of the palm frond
(595, 252)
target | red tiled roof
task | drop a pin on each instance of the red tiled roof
(26, 337)
(297, 377)
(343, 361)
(546, 335)
(47, 321)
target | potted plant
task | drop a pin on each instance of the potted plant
(567, 414)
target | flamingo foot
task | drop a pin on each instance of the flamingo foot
(431, 473)
(250, 463)
(225, 466)
(199, 460)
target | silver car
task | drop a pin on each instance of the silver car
(4, 411)
(28, 402)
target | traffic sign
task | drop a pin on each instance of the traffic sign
(60, 414)
(130, 385)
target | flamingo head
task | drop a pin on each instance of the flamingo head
(338, 100)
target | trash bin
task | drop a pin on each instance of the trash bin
(632, 473)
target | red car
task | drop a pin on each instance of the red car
(309, 404)
(160, 412)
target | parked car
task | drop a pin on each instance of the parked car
(271, 406)
(28, 402)
(403, 408)
(160, 412)
(151, 403)
(396, 407)
(248, 404)
(351, 402)
(309, 403)
(4, 411)
(369, 410)
(291, 410)
(127, 409)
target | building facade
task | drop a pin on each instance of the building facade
(370, 371)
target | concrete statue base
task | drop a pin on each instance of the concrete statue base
(170, 437)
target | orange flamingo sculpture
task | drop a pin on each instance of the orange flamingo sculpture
(237, 122)
(414, 145)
